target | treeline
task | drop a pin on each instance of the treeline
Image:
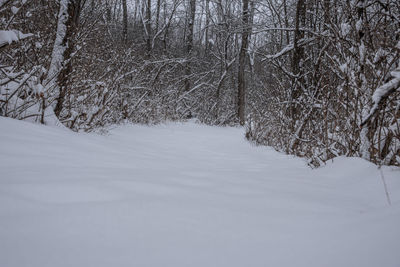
(316, 79)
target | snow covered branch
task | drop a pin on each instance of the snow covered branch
(12, 36)
(289, 48)
(382, 93)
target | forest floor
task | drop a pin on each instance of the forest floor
(182, 195)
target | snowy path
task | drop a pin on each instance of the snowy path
(185, 195)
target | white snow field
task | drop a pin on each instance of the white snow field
(183, 195)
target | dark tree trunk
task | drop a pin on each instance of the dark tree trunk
(189, 41)
(124, 22)
(148, 27)
(158, 15)
(73, 10)
(298, 54)
(207, 26)
(242, 63)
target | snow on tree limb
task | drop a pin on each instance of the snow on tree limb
(289, 48)
(12, 36)
(60, 46)
(381, 93)
(4, 2)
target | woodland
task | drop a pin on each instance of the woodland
(315, 79)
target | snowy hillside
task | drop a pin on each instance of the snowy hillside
(184, 195)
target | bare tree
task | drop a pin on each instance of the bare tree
(148, 27)
(60, 66)
(242, 62)
(124, 21)
(189, 41)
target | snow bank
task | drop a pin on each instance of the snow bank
(186, 195)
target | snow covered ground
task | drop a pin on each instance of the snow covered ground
(185, 195)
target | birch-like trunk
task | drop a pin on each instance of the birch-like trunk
(60, 65)
(366, 129)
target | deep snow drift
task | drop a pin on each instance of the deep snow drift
(184, 195)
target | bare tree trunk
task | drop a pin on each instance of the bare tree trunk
(124, 22)
(368, 129)
(164, 40)
(108, 11)
(327, 15)
(135, 14)
(60, 66)
(286, 18)
(298, 54)
(298, 35)
(158, 15)
(207, 26)
(242, 63)
(148, 27)
(189, 41)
